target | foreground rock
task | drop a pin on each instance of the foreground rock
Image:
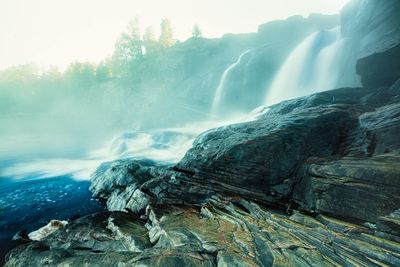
(228, 231)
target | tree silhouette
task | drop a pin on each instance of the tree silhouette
(196, 31)
(166, 36)
(128, 48)
(149, 40)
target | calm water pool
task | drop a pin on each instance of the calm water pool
(32, 203)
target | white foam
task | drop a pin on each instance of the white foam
(165, 145)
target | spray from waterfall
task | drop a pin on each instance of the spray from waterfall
(219, 92)
(313, 66)
(166, 146)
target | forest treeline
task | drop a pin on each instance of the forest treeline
(22, 87)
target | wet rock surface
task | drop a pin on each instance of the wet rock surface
(227, 231)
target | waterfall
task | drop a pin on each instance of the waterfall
(219, 92)
(314, 65)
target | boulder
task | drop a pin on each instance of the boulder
(380, 69)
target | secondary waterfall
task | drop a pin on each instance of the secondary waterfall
(313, 66)
(219, 92)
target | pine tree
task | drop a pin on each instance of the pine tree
(166, 36)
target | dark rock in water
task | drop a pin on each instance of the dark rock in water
(380, 69)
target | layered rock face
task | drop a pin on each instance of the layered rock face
(227, 231)
(312, 181)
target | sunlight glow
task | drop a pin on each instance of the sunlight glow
(57, 32)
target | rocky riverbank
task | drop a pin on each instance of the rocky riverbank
(312, 181)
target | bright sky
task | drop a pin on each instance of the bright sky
(57, 32)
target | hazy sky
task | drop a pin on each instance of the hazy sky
(57, 32)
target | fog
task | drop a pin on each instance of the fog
(149, 99)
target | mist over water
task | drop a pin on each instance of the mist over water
(163, 145)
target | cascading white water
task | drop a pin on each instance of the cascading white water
(313, 66)
(163, 145)
(219, 92)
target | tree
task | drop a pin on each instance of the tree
(103, 72)
(129, 44)
(128, 48)
(53, 74)
(51, 78)
(80, 74)
(149, 40)
(135, 41)
(167, 34)
(196, 31)
(20, 75)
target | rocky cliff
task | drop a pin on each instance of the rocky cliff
(183, 79)
(191, 71)
(368, 27)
